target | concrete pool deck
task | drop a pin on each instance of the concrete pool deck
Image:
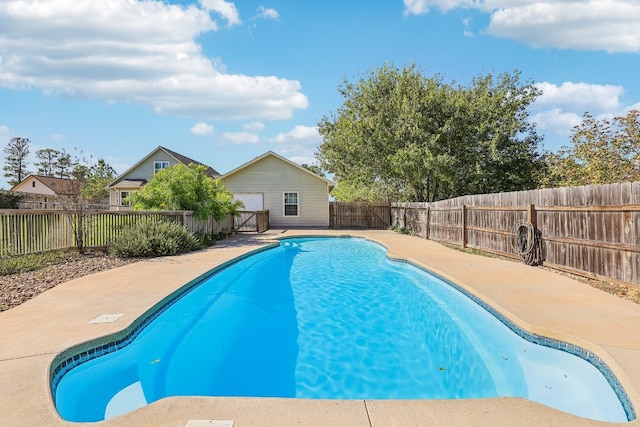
(542, 302)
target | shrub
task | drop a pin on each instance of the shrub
(208, 239)
(152, 239)
(22, 263)
(9, 199)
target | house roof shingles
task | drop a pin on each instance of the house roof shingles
(61, 186)
(211, 172)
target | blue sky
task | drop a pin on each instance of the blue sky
(223, 82)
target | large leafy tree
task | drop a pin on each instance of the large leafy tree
(181, 187)
(15, 167)
(603, 151)
(411, 137)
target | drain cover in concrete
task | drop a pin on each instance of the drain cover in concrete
(107, 318)
(210, 423)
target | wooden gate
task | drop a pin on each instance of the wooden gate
(359, 215)
(252, 221)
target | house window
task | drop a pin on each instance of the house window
(124, 198)
(157, 166)
(291, 204)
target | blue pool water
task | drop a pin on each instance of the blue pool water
(328, 318)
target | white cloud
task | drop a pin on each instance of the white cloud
(415, 7)
(297, 134)
(419, 7)
(561, 107)
(201, 129)
(241, 137)
(300, 143)
(610, 25)
(226, 9)
(268, 13)
(466, 23)
(253, 126)
(133, 51)
(556, 121)
(580, 96)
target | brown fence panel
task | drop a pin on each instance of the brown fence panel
(359, 215)
(251, 221)
(589, 230)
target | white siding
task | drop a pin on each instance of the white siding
(27, 186)
(273, 177)
(145, 169)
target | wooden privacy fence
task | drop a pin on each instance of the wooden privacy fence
(253, 221)
(359, 215)
(28, 231)
(589, 230)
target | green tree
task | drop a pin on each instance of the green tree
(15, 167)
(47, 161)
(315, 169)
(418, 138)
(345, 191)
(97, 177)
(64, 165)
(10, 199)
(603, 151)
(181, 187)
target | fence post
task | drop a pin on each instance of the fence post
(532, 216)
(464, 226)
(427, 218)
(404, 218)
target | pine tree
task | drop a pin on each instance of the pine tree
(15, 166)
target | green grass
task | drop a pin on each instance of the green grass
(23, 263)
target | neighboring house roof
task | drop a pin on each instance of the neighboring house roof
(186, 161)
(130, 183)
(176, 156)
(330, 183)
(60, 186)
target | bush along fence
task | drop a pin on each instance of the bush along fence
(589, 230)
(28, 231)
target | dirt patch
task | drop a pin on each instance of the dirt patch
(18, 288)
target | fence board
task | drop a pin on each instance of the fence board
(594, 230)
(359, 215)
(28, 231)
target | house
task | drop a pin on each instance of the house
(49, 185)
(138, 175)
(293, 195)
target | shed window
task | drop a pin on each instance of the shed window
(157, 166)
(291, 204)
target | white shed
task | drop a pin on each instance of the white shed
(293, 195)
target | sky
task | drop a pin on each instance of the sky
(223, 82)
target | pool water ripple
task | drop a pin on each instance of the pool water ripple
(336, 319)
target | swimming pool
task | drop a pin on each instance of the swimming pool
(326, 318)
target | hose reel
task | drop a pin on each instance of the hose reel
(526, 243)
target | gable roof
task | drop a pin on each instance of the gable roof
(330, 183)
(211, 172)
(60, 186)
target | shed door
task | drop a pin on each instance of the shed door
(252, 201)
